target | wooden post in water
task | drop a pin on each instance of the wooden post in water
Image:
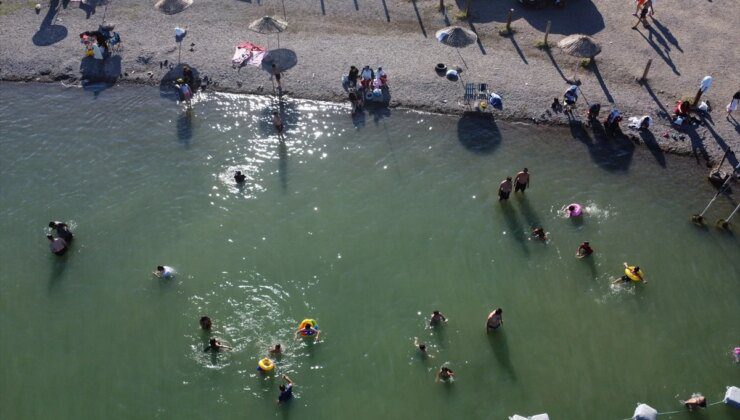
(643, 79)
(547, 32)
(508, 21)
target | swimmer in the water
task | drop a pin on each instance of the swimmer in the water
(696, 401)
(422, 348)
(495, 320)
(286, 391)
(215, 346)
(521, 182)
(277, 122)
(437, 318)
(278, 349)
(164, 272)
(307, 331)
(584, 250)
(205, 323)
(539, 233)
(504, 189)
(58, 246)
(445, 374)
(635, 271)
(239, 177)
(62, 231)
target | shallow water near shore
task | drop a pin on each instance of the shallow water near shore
(366, 225)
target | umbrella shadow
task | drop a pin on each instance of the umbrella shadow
(667, 34)
(283, 58)
(610, 154)
(649, 140)
(500, 349)
(418, 17)
(49, 32)
(185, 127)
(95, 71)
(660, 52)
(600, 79)
(478, 132)
(167, 87)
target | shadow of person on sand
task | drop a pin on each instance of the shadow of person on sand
(98, 75)
(658, 50)
(583, 18)
(500, 349)
(167, 87)
(649, 140)
(90, 6)
(613, 154)
(478, 132)
(49, 32)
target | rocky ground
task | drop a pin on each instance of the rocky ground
(687, 40)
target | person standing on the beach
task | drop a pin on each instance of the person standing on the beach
(732, 106)
(276, 74)
(521, 180)
(643, 13)
(504, 189)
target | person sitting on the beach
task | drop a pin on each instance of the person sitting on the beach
(62, 231)
(381, 77)
(681, 110)
(354, 74)
(539, 233)
(613, 119)
(366, 77)
(495, 320)
(164, 272)
(278, 349)
(569, 99)
(593, 111)
(239, 177)
(437, 318)
(584, 250)
(58, 246)
(205, 323)
(695, 401)
(504, 189)
(187, 76)
(215, 346)
(444, 374)
(556, 105)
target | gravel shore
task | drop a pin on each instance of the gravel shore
(687, 41)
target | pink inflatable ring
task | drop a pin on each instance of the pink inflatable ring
(574, 210)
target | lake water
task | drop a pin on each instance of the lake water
(366, 226)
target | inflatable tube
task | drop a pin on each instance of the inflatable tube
(628, 273)
(306, 322)
(265, 365)
(577, 211)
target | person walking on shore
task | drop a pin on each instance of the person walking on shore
(504, 189)
(521, 180)
(643, 14)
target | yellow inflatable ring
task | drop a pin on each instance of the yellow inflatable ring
(265, 365)
(631, 276)
(305, 323)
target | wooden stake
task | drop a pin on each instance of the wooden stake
(441, 5)
(697, 98)
(647, 69)
(547, 32)
(508, 21)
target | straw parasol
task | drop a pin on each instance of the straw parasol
(457, 37)
(580, 46)
(269, 25)
(171, 7)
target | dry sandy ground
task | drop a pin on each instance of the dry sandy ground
(688, 40)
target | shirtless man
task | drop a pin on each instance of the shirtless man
(504, 189)
(437, 318)
(584, 250)
(521, 180)
(495, 320)
(62, 231)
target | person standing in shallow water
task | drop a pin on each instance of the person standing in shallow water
(521, 180)
(444, 374)
(277, 122)
(62, 231)
(437, 319)
(276, 74)
(584, 250)
(239, 177)
(205, 323)
(495, 320)
(504, 189)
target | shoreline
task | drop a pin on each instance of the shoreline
(324, 42)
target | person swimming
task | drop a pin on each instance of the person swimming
(205, 323)
(62, 231)
(696, 401)
(215, 346)
(436, 319)
(495, 320)
(164, 272)
(422, 348)
(58, 246)
(286, 390)
(239, 177)
(307, 331)
(634, 271)
(445, 374)
(278, 349)
(584, 250)
(539, 233)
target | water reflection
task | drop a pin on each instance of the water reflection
(185, 126)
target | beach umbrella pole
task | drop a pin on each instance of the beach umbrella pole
(699, 218)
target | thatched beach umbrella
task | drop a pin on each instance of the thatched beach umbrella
(269, 25)
(580, 46)
(457, 37)
(170, 7)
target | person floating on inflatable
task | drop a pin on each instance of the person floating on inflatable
(308, 328)
(574, 210)
(265, 365)
(631, 273)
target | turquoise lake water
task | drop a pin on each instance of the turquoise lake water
(366, 225)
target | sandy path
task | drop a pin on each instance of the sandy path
(690, 40)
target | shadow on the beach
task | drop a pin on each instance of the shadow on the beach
(600, 79)
(283, 58)
(167, 87)
(385, 9)
(667, 34)
(731, 157)
(555, 64)
(500, 349)
(698, 150)
(49, 32)
(478, 132)
(658, 50)
(89, 6)
(613, 154)
(185, 127)
(418, 17)
(515, 229)
(518, 50)
(663, 113)
(580, 18)
(98, 75)
(649, 140)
